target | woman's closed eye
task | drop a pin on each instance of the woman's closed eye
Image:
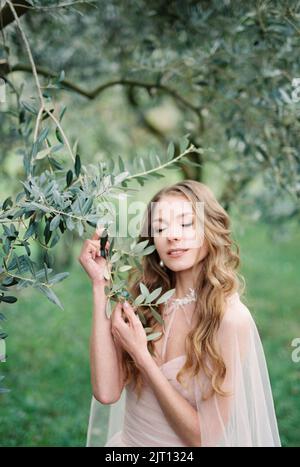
(183, 225)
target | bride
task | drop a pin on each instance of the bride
(204, 381)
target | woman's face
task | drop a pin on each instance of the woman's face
(174, 226)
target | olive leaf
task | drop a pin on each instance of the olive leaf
(165, 297)
(154, 335)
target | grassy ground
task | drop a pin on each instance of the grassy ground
(47, 367)
(272, 272)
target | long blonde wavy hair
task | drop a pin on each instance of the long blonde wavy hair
(216, 278)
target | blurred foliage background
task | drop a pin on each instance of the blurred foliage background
(133, 76)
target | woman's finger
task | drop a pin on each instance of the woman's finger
(116, 316)
(95, 236)
(96, 243)
(130, 313)
(90, 249)
(97, 233)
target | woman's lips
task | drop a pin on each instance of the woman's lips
(177, 253)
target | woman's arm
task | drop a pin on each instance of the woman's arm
(179, 412)
(106, 370)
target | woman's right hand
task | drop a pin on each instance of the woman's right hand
(91, 260)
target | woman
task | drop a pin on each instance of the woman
(204, 381)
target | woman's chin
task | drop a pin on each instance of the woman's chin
(179, 266)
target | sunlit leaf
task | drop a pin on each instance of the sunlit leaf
(165, 297)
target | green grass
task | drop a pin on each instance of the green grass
(271, 269)
(47, 367)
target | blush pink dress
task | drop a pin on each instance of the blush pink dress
(145, 423)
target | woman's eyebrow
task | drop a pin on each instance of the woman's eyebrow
(179, 215)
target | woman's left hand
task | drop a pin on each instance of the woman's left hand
(131, 335)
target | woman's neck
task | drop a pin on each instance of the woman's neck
(184, 281)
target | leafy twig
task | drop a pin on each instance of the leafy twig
(43, 107)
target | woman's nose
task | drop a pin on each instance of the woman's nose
(174, 233)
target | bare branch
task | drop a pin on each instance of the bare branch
(189, 172)
(59, 5)
(28, 50)
(124, 82)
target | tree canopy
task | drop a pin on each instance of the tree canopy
(209, 83)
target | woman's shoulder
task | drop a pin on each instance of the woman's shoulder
(237, 331)
(236, 315)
